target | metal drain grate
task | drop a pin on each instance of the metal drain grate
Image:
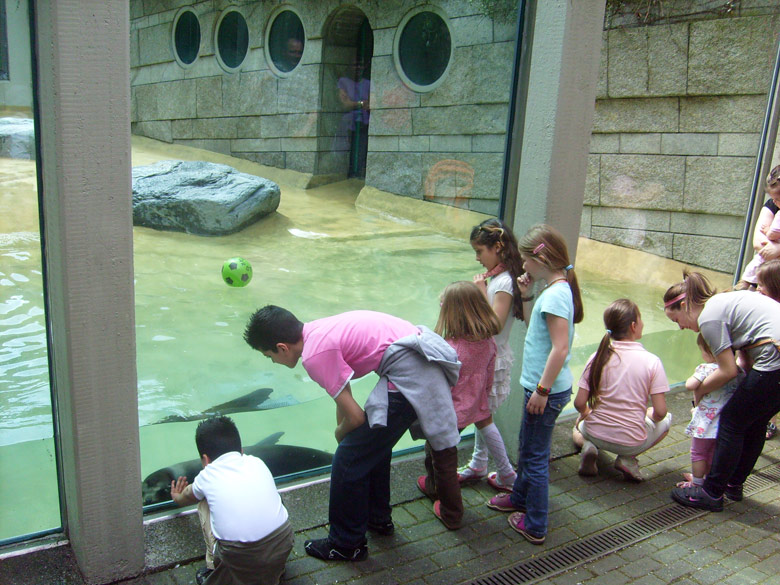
(614, 539)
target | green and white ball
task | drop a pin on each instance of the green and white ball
(236, 272)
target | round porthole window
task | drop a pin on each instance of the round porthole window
(232, 40)
(186, 37)
(423, 48)
(285, 41)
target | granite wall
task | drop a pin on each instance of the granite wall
(445, 145)
(679, 112)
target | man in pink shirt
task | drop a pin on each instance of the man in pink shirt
(417, 369)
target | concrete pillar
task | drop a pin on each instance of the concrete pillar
(561, 98)
(83, 112)
(561, 94)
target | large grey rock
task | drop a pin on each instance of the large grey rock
(201, 198)
(17, 138)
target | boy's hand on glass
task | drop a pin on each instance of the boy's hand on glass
(179, 492)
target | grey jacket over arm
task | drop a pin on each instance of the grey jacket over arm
(423, 367)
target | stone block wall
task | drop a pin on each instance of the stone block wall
(676, 130)
(446, 145)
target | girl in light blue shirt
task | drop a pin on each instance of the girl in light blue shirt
(545, 376)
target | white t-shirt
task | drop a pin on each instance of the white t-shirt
(502, 283)
(739, 318)
(242, 497)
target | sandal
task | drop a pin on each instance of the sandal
(468, 474)
(771, 430)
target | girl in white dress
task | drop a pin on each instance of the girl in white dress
(496, 249)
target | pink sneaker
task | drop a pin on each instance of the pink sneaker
(502, 484)
(517, 522)
(503, 503)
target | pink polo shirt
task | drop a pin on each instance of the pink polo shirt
(631, 375)
(349, 345)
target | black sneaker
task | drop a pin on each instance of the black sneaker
(733, 492)
(696, 497)
(385, 528)
(202, 574)
(322, 548)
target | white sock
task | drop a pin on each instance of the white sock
(495, 445)
(697, 480)
(479, 458)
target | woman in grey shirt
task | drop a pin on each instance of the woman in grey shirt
(738, 320)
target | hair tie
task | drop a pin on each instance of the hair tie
(670, 302)
(569, 267)
(538, 249)
(609, 331)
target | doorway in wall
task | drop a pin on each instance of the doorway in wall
(348, 45)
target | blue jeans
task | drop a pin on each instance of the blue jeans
(533, 469)
(742, 430)
(360, 475)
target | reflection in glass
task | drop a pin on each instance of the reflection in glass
(187, 37)
(232, 39)
(286, 41)
(424, 48)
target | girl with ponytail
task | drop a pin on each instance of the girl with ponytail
(614, 390)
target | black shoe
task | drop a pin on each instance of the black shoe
(385, 528)
(734, 493)
(202, 574)
(696, 497)
(322, 548)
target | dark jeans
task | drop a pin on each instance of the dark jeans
(533, 469)
(742, 430)
(360, 476)
(442, 483)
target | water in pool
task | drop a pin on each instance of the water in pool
(318, 255)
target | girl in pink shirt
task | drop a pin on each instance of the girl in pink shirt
(468, 324)
(613, 394)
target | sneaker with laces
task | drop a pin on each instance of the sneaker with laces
(324, 549)
(588, 460)
(517, 522)
(629, 467)
(501, 483)
(468, 474)
(734, 492)
(503, 503)
(696, 497)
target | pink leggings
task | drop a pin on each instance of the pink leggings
(702, 449)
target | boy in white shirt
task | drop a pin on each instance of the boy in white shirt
(244, 521)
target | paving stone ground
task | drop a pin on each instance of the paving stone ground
(739, 545)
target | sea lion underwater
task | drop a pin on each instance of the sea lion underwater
(254, 401)
(280, 459)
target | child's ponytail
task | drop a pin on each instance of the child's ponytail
(618, 317)
(494, 231)
(546, 244)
